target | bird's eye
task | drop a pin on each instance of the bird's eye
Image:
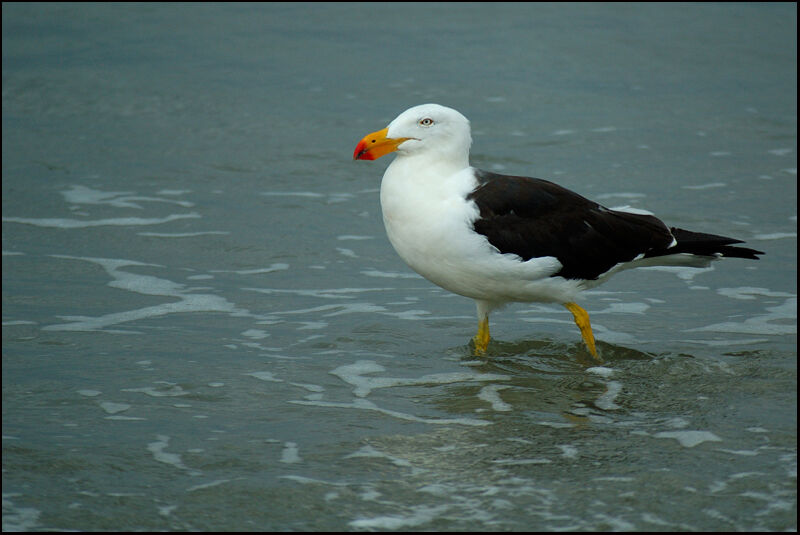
(427, 121)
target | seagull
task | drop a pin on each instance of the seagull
(500, 239)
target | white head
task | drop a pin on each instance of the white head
(429, 129)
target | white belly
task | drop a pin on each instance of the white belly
(429, 224)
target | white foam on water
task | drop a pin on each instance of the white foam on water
(650, 518)
(421, 315)
(616, 523)
(312, 325)
(439, 489)
(727, 342)
(255, 334)
(601, 371)
(290, 453)
(355, 308)
(354, 237)
(624, 308)
(568, 451)
(419, 516)
(556, 425)
(719, 517)
(521, 462)
(311, 481)
(371, 452)
(606, 400)
(324, 293)
(689, 439)
(677, 422)
(365, 404)
(750, 293)
(199, 277)
(183, 234)
(335, 310)
(166, 510)
(489, 393)
(265, 376)
(173, 191)
(309, 194)
(277, 266)
(208, 485)
(346, 252)
(145, 285)
(329, 197)
(354, 374)
(115, 221)
(620, 479)
(775, 236)
(390, 274)
(684, 273)
(779, 320)
(718, 486)
(158, 449)
(309, 387)
(743, 453)
(710, 185)
(118, 199)
(166, 389)
(18, 518)
(113, 408)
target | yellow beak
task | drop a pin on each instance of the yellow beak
(376, 144)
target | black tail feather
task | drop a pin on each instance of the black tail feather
(699, 243)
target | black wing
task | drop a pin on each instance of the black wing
(531, 218)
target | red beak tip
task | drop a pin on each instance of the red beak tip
(361, 152)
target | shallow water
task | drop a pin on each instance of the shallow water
(205, 327)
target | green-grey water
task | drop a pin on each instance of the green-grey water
(205, 327)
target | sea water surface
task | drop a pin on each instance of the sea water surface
(205, 327)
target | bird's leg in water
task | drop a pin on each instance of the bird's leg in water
(481, 339)
(582, 321)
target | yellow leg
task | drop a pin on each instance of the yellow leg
(481, 339)
(582, 321)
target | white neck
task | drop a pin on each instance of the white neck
(428, 165)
